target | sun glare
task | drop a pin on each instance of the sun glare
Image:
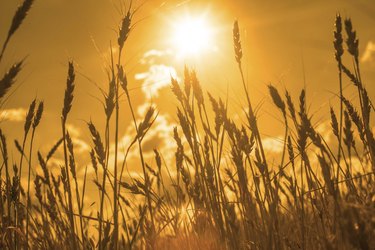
(192, 36)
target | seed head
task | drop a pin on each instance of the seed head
(38, 115)
(124, 30)
(9, 78)
(352, 41)
(122, 78)
(338, 41)
(237, 42)
(277, 99)
(334, 123)
(30, 116)
(68, 98)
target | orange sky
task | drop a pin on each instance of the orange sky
(284, 42)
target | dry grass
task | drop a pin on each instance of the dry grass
(309, 201)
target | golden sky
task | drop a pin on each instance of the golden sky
(286, 43)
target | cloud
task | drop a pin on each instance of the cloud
(159, 137)
(13, 115)
(150, 56)
(157, 77)
(273, 145)
(80, 146)
(325, 130)
(73, 130)
(369, 53)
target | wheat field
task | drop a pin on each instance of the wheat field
(221, 191)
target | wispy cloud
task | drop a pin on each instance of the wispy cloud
(80, 146)
(73, 130)
(369, 53)
(325, 130)
(273, 145)
(13, 115)
(150, 56)
(157, 77)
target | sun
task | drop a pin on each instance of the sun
(192, 36)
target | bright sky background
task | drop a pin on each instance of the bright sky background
(284, 43)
